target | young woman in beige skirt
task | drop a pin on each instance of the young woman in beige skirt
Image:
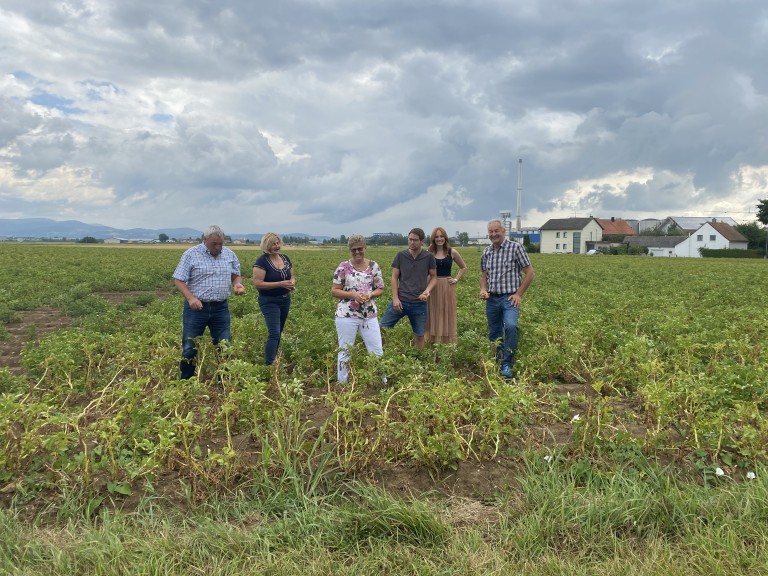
(441, 306)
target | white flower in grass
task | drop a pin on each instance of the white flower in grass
(719, 472)
(576, 418)
(547, 458)
(751, 476)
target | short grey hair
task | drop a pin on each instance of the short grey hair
(355, 239)
(499, 222)
(213, 230)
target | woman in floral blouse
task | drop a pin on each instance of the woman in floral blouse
(356, 282)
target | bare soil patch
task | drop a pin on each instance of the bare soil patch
(30, 326)
(470, 479)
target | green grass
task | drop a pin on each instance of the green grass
(563, 519)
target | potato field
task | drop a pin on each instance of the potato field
(621, 359)
(632, 440)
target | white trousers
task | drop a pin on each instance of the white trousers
(347, 329)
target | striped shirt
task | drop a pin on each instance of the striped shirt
(208, 278)
(503, 266)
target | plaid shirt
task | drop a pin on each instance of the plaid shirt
(503, 266)
(208, 278)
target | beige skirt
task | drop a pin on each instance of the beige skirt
(441, 313)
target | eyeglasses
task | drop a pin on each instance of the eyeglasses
(357, 249)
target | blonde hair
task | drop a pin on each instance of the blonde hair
(268, 240)
(355, 239)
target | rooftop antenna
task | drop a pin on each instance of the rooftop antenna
(519, 226)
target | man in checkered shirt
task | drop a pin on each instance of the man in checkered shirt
(506, 273)
(204, 276)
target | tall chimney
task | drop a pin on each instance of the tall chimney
(519, 226)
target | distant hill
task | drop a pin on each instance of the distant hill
(44, 228)
(73, 230)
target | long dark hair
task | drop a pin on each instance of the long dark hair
(433, 247)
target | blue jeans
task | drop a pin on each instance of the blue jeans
(416, 312)
(502, 327)
(214, 316)
(275, 311)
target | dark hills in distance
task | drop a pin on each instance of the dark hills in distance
(45, 228)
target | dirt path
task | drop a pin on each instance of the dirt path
(32, 325)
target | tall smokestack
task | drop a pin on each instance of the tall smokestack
(519, 194)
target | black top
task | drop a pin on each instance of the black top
(444, 266)
(272, 274)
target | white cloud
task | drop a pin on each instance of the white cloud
(62, 185)
(588, 195)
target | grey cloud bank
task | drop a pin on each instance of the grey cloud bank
(341, 117)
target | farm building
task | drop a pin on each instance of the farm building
(577, 235)
(570, 235)
(713, 235)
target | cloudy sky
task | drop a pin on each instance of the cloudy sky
(346, 116)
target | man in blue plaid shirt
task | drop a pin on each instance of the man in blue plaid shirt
(506, 273)
(204, 276)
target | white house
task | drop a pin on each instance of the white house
(570, 235)
(712, 235)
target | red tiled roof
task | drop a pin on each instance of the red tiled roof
(617, 226)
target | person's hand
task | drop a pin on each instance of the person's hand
(239, 289)
(484, 295)
(424, 296)
(397, 305)
(452, 280)
(195, 303)
(363, 297)
(290, 284)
